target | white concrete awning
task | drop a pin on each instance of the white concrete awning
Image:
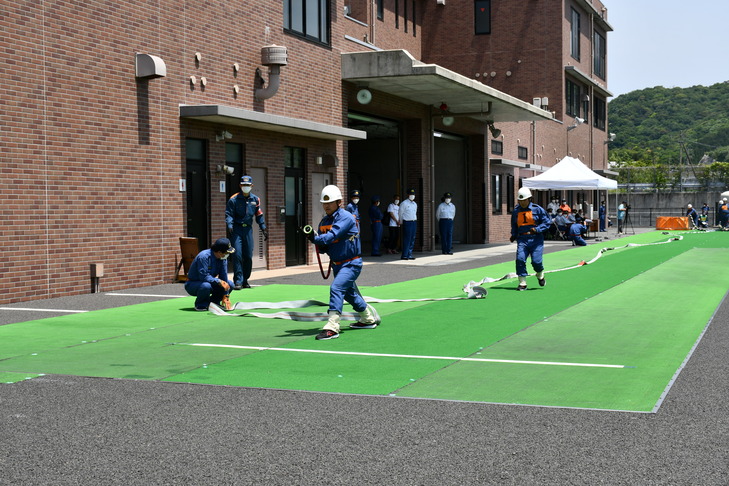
(227, 115)
(398, 73)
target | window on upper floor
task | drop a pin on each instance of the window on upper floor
(308, 18)
(380, 9)
(599, 113)
(497, 147)
(572, 95)
(575, 33)
(600, 55)
(522, 152)
(482, 16)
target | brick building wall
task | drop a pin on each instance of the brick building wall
(92, 156)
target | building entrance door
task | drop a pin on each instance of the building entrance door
(294, 212)
(198, 200)
(294, 187)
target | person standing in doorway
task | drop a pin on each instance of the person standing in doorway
(393, 210)
(352, 206)
(376, 225)
(409, 221)
(240, 211)
(602, 215)
(445, 214)
(529, 222)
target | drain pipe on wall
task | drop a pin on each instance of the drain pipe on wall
(274, 57)
(431, 129)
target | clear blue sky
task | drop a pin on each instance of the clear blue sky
(667, 43)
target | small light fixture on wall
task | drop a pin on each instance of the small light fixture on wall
(495, 132)
(445, 116)
(364, 96)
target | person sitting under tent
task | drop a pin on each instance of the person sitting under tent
(561, 221)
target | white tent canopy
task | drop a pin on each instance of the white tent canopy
(569, 174)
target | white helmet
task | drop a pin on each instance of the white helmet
(689, 206)
(330, 193)
(524, 193)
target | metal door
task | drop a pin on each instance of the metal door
(198, 199)
(294, 188)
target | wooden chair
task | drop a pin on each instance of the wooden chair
(189, 250)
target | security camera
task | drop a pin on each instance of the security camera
(224, 135)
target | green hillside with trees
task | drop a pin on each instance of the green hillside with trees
(672, 127)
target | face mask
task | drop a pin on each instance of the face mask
(246, 189)
(225, 257)
(411, 197)
(397, 201)
(355, 200)
(448, 200)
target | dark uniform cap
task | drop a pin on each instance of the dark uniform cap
(447, 194)
(223, 245)
(375, 198)
(246, 180)
(355, 193)
(411, 191)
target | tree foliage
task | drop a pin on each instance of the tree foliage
(670, 126)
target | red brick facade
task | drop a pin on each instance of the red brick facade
(92, 157)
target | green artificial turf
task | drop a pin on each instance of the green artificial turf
(647, 324)
(607, 312)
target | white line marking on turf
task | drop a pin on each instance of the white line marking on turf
(385, 355)
(147, 295)
(41, 310)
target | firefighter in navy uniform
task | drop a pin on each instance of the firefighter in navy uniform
(352, 206)
(240, 211)
(529, 222)
(338, 237)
